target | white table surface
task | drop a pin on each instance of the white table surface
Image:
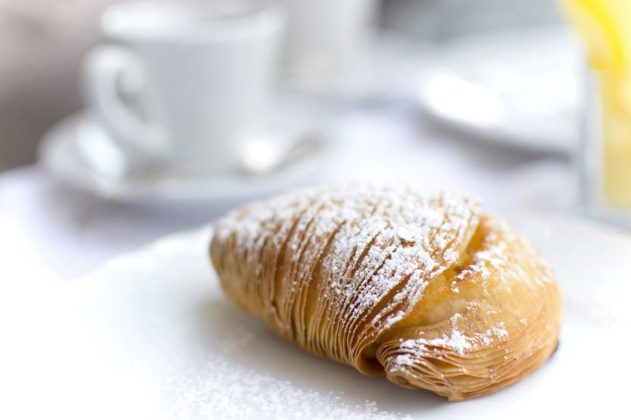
(53, 233)
(52, 236)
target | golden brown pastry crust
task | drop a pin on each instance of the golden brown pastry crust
(393, 279)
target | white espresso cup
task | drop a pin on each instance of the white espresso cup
(184, 83)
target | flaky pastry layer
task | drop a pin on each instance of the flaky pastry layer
(417, 285)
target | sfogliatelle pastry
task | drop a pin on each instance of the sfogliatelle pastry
(418, 285)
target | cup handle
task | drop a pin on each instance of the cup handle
(114, 85)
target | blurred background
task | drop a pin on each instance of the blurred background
(483, 96)
(42, 44)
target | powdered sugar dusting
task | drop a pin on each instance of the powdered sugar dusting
(454, 340)
(495, 258)
(222, 395)
(500, 331)
(413, 350)
(388, 277)
(383, 243)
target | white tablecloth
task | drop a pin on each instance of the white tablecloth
(51, 233)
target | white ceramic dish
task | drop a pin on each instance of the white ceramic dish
(60, 153)
(152, 336)
(519, 88)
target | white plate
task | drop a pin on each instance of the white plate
(152, 336)
(60, 153)
(519, 88)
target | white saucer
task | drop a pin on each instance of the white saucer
(518, 88)
(60, 154)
